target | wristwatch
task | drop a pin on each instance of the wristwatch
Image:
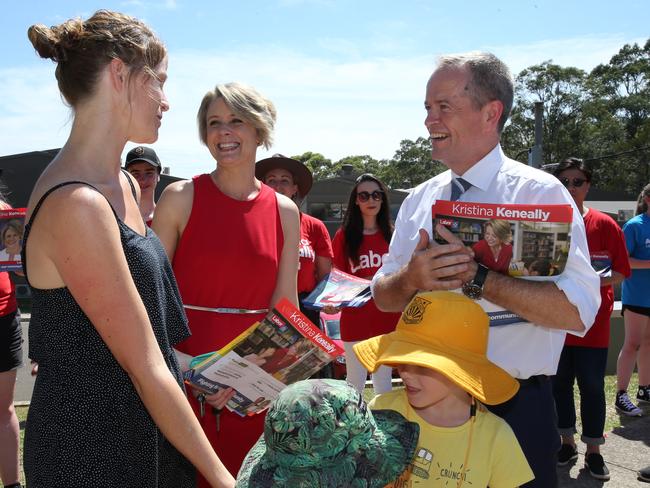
(474, 288)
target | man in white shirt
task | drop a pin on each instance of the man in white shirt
(468, 101)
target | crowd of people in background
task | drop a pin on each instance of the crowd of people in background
(119, 311)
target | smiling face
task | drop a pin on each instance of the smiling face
(230, 139)
(281, 180)
(11, 240)
(461, 133)
(371, 207)
(146, 175)
(148, 102)
(490, 237)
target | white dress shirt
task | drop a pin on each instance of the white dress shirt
(523, 349)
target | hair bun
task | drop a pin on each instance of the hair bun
(54, 42)
(44, 41)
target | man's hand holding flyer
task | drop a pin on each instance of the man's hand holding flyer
(527, 241)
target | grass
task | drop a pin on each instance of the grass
(612, 419)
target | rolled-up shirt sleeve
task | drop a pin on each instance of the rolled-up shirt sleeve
(579, 282)
(413, 215)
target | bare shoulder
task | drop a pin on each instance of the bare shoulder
(70, 203)
(176, 199)
(287, 207)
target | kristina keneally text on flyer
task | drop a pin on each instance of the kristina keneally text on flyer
(283, 348)
(527, 241)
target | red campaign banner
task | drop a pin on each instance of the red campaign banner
(12, 213)
(537, 213)
(307, 328)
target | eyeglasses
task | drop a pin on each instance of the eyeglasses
(364, 196)
(575, 182)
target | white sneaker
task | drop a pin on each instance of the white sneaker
(625, 406)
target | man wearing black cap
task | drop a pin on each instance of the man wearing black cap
(143, 163)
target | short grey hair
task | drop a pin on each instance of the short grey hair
(490, 79)
(245, 102)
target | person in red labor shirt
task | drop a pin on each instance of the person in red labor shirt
(359, 248)
(234, 248)
(293, 179)
(143, 164)
(584, 358)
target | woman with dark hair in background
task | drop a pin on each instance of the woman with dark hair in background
(359, 248)
(635, 299)
(233, 242)
(11, 358)
(293, 179)
(108, 407)
(584, 359)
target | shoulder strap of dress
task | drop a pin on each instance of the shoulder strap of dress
(135, 195)
(53, 189)
(28, 225)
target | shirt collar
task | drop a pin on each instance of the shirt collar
(485, 170)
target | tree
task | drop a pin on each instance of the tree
(563, 94)
(621, 106)
(411, 164)
(360, 165)
(319, 165)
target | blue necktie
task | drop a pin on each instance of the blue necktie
(458, 187)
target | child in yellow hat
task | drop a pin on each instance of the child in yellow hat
(439, 349)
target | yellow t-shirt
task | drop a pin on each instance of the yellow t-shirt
(495, 458)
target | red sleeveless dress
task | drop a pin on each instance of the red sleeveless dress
(228, 257)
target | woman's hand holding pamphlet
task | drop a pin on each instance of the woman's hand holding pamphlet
(339, 289)
(283, 348)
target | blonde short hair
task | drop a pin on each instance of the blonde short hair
(245, 102)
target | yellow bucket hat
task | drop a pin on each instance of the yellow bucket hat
(447, 332)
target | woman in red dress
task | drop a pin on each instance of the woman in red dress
(495, 249)
(234, 247)
(359, 248)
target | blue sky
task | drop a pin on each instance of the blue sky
(347, 77)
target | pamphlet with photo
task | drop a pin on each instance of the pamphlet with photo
(527, 241)
(12, 228)
(339, 289)
(283, 348)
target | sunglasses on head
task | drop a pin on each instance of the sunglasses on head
(576, 182)
(364, 196)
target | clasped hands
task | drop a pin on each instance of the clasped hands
(436, 266)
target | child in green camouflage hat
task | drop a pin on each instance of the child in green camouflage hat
(320, 433)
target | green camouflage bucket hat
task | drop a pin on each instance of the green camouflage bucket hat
(320, 433)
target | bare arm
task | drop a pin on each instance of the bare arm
(614, 279)
(93, 267)
(286, 284)
(539, 302)
(172, 213)
(636, 263)
(431, 267)
(323, 267)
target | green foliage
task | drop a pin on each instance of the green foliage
(602, 117)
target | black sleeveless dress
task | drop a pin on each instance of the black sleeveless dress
(87, 426)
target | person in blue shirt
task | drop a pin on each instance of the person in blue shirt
(636, 310)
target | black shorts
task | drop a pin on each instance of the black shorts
(11, 341)
(636, 309)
